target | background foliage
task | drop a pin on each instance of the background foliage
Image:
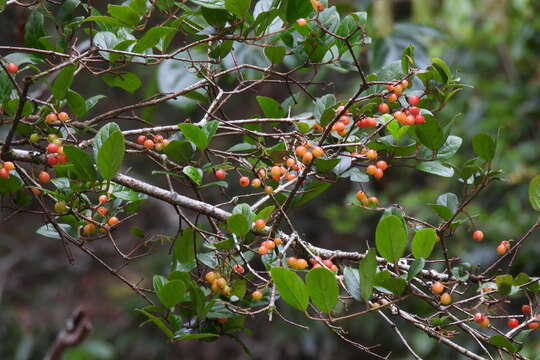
(493, 44)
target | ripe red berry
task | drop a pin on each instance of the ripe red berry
(512, 323)
(239, 269)
(533, 325)
(413, 110)
(419, 119)
(102, 210)
(141, 139)
(244, 181)
(392, 97)
(12, 68)
(414, 100)
(4, 174)
(44, 177)
(384, 108)
(220, 174)
(52, 160)
(478, 317)
(379, 173)
(526, 310)
(478, 235)
(50, 118)
(52, 148)
(62, 159)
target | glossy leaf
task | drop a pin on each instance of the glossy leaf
(322, 288)
(291, 288)
(423, 242)
(367, 269)
(391, 238)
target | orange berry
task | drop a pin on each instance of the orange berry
(318, 151)
(378, 174)
(158, 138)
(338, 126)
(102, 210)
(301, 22)
(63, 116)
(51, 118)
(256, 295)
(8, 165)
(103, 199)
(301, 264)
(211, 276)
(437, 288)
(89, 229)
(371, 169)
(278, 241)
(141, 139)
(405, 83)
(269, 244)
(35, 191)
(533, 326)
(308, 157)
(12, 68)
(384, 108)
(398, 89)
(392, 97)
(291, 261)
(262, 250)
(501, 249)
(113, 221)
(256, 182)
(149, 144)
(526, 309)
(371, 154)
(360, 195)
(221, 282)
(44, 177)
(373, 200)
(381, 164)
(268, 189)
(259, 224)
(300, 150)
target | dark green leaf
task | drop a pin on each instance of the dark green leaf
(391, 238)
(435, 168)
(352, 282)
(386, 281)
(483, 146)
(270, 107)
(238, 224)
(430, 133)
(180, 151)
(502, 341)
(534, 192)
(63, 82)
(186, 245)
(171, 293)
(416, 267)
(238, 7)
(322, 288)
(82, 162)
(127, 81)
(152, 37)
(124, 14)
(367, 269)
(110, 155)
(195, 174)
(158, 322)
(194, 134)
(76, 103)
(291, 288)
(274, 53)
(423, 242)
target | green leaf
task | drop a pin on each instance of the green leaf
(124, 14)
(102, 135)
(311, 191)
(416, 267)
(10, 185)
(385, 280)
(5, 87)
(442, 69)
(356, 175)
(33, 30)
(152, 37)
(275, 53)
(326, 165)
(238, 7)
(158, 322)
(238, 224)
(238, 288)
(391, 238)
(127, 81)
(435, 168)
(352, 282)
(82, 162)
(270, 107)
(199, 336)
(322, 288)
(63, 82)
(245, 210)
(195, 174)
(111, 155)
(194, 134)
(171, 293)
(534, 192)
(502, 341)
(504, 284)
(367, 268)
(186, 245)
(298, 9)
(483, 146)
(291, 288)
(407, 58)
(430, 133)
(423, 242)
(179, 150)
(447, 205)
(210, 4)
(76, 103)
(210, 129)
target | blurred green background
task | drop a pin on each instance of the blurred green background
(495, 47)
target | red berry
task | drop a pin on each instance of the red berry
(52, 148)
(414, 100)
(103, 199)
(50, 118)
(12, 68)
(244, 181)
(533, 325)
(62, 159)
(259, 224)
(419, 119)
(44, 177)
(141, 139)
(378, 174)
(220, 174)
(113, 221)
(4, 173)
(102, 210)
(478, 235)
(384, 108)
(301, 22)
(478, 317)
(63, 116)
(526, 309)
(414, 110)
(52, 160)
(512, 323)
(8, 165)
(239, 269)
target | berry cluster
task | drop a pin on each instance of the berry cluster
(51, 118)
(158, 142)
(7, 166)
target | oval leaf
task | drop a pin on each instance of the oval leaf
(291, 288)
(423, 242)
(111, 155)
(322, 288)
(391, 238)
